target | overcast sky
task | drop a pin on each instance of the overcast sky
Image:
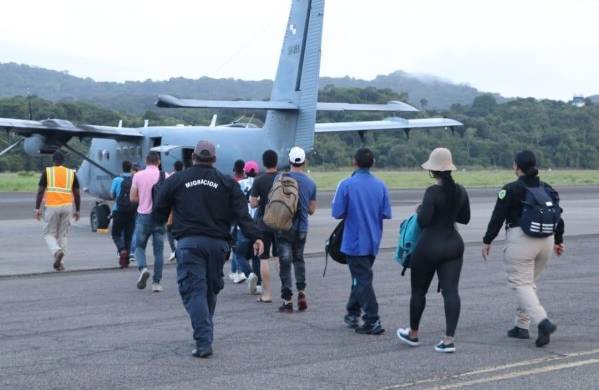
(540, 48)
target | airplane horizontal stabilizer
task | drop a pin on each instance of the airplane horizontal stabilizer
(387, 124)
(394, 106)
(166, 101)
(59, 127)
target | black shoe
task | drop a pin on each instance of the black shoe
(371, 328)
(286, 307)
(546, 327)
(445, 348)
(202, 353)
(404, 335)
(351, 321)
(518, 333)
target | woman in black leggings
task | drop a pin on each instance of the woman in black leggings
(440, 248)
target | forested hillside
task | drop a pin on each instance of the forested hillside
(139, 96)
(563, 136)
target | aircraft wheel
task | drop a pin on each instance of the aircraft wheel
(98, 217)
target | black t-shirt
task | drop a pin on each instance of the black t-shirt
(44, 181)
(261, 189)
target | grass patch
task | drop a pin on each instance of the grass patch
(328, 180)
(21, 181)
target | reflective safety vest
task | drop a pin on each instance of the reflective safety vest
(59, 191)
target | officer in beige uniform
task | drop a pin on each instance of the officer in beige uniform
(58, 189)
(529, 242)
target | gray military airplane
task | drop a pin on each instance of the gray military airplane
(290, 120)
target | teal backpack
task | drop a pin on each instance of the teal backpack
(409, 233)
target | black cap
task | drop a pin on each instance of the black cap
(527, 162)
(58, 157)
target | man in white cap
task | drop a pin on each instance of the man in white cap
(291, 244)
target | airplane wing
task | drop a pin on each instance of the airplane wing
(167, 101)
(387, 124)
(59, 127)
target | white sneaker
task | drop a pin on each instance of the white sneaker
(258, 290)
(240, 278)
(172, 257)
(156, 287)
(252, 283)
(143, 278)
(232, 276)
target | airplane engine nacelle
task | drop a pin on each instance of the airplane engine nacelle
(37, 145)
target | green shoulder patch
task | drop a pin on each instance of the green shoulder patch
(502, 194)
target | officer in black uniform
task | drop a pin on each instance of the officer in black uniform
(205, 204)
(525, 256)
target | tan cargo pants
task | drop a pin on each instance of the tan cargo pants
(525, 258)
(56, 223)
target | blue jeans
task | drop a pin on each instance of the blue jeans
(200, 262)
(134, 236)
(362, 296)
(144, 228)
(291, 251)
(242, 249)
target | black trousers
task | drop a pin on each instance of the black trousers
(123, 225)
(422, 273)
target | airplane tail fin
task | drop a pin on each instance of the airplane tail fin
(298, 75)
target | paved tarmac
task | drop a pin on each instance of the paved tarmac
(25, 252)
(95, 330)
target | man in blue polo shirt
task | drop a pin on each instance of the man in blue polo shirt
(363, 201)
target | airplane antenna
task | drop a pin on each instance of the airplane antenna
(120, 123)
(213, 121)
(29, 105)
(146, 122)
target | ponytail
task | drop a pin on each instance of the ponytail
(448, 184)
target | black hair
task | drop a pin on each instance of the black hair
(127, 166)
(238, 167)
(251, 173)
(448, 184)
(364, 158)
(58, 157)
(527, 163)
(153, 158)
(178, 166)
(270, 159)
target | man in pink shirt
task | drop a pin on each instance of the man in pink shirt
(141, 193)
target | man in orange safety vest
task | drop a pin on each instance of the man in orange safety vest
(58, 189)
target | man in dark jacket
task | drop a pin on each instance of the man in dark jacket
(205, 204)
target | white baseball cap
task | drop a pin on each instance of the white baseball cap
(297, 155)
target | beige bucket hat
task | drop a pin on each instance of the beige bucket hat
(440, 160)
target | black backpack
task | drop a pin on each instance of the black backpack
(541, 212)
(123, 202)
(332, 247)
(156, 187)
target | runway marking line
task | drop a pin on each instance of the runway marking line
(494, 369)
